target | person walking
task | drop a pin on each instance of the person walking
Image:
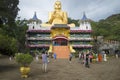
(104, 57)
(117, 52)
(44, 61)
(80, 55)
(37, 57)
(55, 56)
(48, 55)
(99, 57)
(91, 56)
(87, 60)
(83, 57)
(70, 57)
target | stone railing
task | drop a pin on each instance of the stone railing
(39, 45)
(73, 38)
(83, 46)
(38, 38)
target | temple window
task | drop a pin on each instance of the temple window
(33, 27)
(86, 27)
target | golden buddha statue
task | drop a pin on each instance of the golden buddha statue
(57, 16)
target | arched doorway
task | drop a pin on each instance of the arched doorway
(60, 41)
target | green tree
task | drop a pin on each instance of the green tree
(73, 21)
(20, 34)
(109, 27)
(8, 45)
(8, 11)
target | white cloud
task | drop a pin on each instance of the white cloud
(95, 9)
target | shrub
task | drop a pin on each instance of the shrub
(24, 59)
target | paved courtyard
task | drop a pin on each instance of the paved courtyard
(61, 69)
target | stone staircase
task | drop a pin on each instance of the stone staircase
(61, 51)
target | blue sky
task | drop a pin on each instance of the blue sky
(94, 9)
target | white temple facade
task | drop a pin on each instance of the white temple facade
(34, 23)
(84, 23)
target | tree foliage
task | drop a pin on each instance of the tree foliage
(73, 21)
(109, 28)
(20, 34)
(8, 11)
(8, 45)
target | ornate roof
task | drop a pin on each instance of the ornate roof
(35, 16)
(84, 17)
(35, 19)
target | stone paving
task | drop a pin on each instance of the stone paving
(61, 69)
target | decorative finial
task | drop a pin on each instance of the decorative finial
(35, 16)
(84, 16)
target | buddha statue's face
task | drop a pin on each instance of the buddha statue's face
(57, 5)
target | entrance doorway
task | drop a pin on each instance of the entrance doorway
(60, 47)
(60, 41)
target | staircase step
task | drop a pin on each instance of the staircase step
(61, 51)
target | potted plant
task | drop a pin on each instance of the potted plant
(24, 60)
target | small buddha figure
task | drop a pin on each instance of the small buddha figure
(57, 16)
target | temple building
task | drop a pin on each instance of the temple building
(57, 36)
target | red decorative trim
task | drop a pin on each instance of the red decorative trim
(74, 46)
(71, 31)
(81, 31)
(44, 31)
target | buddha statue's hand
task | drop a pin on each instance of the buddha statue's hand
(57, 15)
